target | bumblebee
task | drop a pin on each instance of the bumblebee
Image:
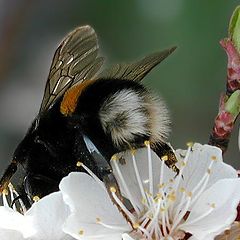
(87, 115)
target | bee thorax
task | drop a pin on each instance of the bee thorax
(128, 114)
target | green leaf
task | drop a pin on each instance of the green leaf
(234, 28)
(233, 104)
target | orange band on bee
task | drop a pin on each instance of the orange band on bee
(70, 98)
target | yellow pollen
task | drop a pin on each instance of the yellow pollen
(164, 158)
(114, 157)
(136, 225)
(214, 158)
(213, 205)
(182, 189)
(112, 189)
(227, 232)
(189, 194)
(133, 151)
(146, 143)
(157, 197)
(189, 144)
(98, 220)
(161, 185)
(209, 171)
(5, 192)
(81, 232)
(144, 201)
(79, 164)
(171, 180)
(149, 194)
(171, 197)
(162, 209)
(183, 164)
(36, 198)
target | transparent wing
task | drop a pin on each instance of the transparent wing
(136, 71)
(75, 60)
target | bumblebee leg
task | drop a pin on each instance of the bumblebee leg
(9, 172)
(165, 153)
(37, 185)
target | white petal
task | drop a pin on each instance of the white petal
(9, 219)
(198, 164)
(48, 216)
(223, 198)
(10, 235)
(126, 236)
(89, 202)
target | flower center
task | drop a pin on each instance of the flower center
(164, 206)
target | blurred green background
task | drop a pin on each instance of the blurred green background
(190, 80)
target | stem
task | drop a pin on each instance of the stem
(229, 107)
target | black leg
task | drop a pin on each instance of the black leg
(9, 172)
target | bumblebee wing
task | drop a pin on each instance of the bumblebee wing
(138, 70)
(75, 60)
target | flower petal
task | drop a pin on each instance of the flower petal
(214, 211)
(126, 236)
(204, 161)
(6, 234)
(12, 220)
(93, 213)
(48, 216)
(198, 164)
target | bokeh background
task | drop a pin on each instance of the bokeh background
(190, 81)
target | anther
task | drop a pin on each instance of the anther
(81, 232)
(79, 164)
(164, 158)
(5, 192)
(146, 143)
(189, 144)
(214, 158)
(189, 194)
(162, 209)
(98, 220)
(182, 189)
(227, 232)
(161, 185)
(136, 225)
(133, 151)
(36, 198)
(114, 157)
(183, 164)
(171, 197)
(213, 205)
(112, 189)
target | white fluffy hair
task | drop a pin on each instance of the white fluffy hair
(128, 113)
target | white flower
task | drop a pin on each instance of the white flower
(93, 213)
(43, 221)
(200, 200)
